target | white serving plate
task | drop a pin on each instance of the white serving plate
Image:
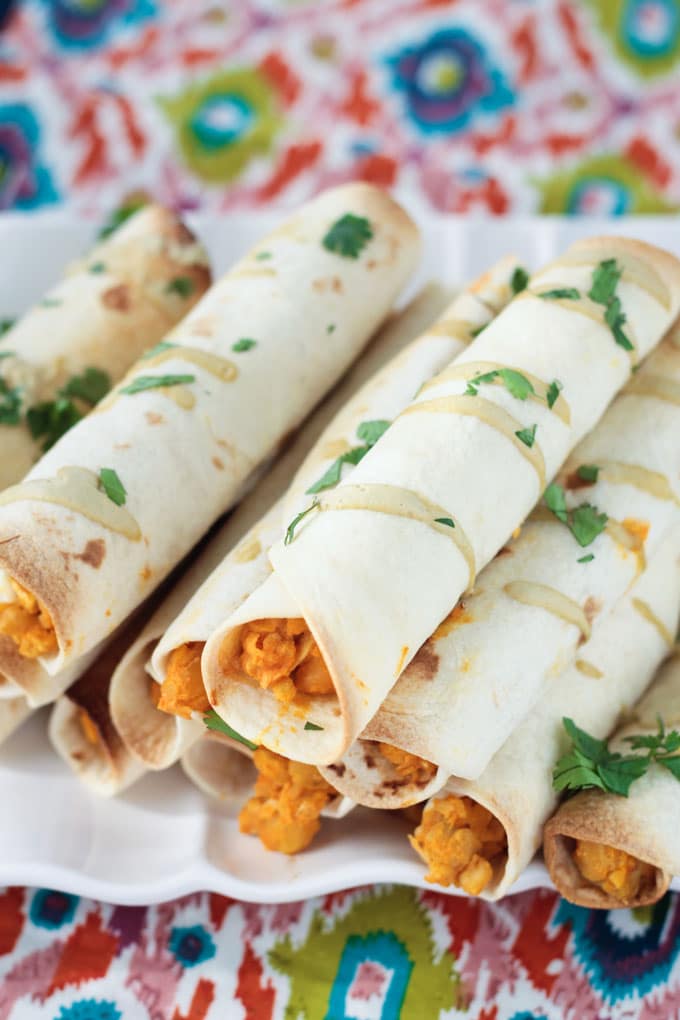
(163, 838)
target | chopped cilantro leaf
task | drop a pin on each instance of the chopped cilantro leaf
(330, 328)
(527, 436)
(606, 276)
(587, 558)
(588, 472)
(515, 383)
(555, 500)
(10, 404)
(214, 722)
(553, 393)
(290, 530)
(6, 325)
(560, 293)
(97, 267)
(348, 236)
(477, 330)
(112, 486)
(445, 520)
(120, 215)
(51, 419)
(312, 726)
(368, 431)
(244, 344)
(164, 345)
(154, 382)
(183, 286)
(519, 280)
(262, 256)
(587, 523)
(50, 302)
(90, 386)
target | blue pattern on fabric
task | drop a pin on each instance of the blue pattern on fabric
(24, 182)
(385, 950)
(90, 1009)
(52, 909)
(87, 24)
(192, 946)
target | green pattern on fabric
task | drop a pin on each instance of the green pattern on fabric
(313, 965)
(559, 191)
(621, 21)
(224, 122)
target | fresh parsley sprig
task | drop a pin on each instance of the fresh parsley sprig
(214, 722)
(516, 384)
(519, 280)
(369, 432)
(585, 522)
(155, 382)
(112, 486)
(591, 765)
(10, 404)
(290, 530)
(50, 419)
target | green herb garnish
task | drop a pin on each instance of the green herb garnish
(560, 293)
(158, 348)
(112, 486)
(91, 386)
(527, 436)
(590, 763)
(552, 393)
(587, 558)
(7, 354)
(519, 280)
(213, 722)
(183, 286)
(348, 236)
(290, 530)
(6, 325)
(51, 419)
(477, 330)
(445, 520)
(262, 256)
(244, 344)
(330, 328)
(50, 302)
(312, 726)
(97, 267)
(10, 404)
(603, 291)
(155, 382)
(515, 383)
(369, 432)
(120, 215)
(588, 472)
(586, 522)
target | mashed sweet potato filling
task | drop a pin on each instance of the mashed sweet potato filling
(282, 657)
(460, 841)
(616, 872)
(288, 800)
(408, 766)
(182, 692)
(28, 624)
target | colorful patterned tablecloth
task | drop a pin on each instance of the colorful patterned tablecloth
(494, 106)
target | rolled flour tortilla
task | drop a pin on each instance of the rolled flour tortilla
(110, 307)
(158, 738)
(80, 728)
(375, 565)
(376, 403)
(482, 670)
(516, 789)
(637, 833)
(190, 424)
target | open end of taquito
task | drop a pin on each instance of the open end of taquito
(465, 841)
(268, 672)
(588, 834)
(380, 775)
(83, 734)
(13, 712)
(156, 739)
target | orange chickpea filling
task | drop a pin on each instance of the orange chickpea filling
(282, 657)
(89, 730)
(28, 624)
(285, 807)
(460, 842)
(408, 766)
(182, 692)
(616, 872)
